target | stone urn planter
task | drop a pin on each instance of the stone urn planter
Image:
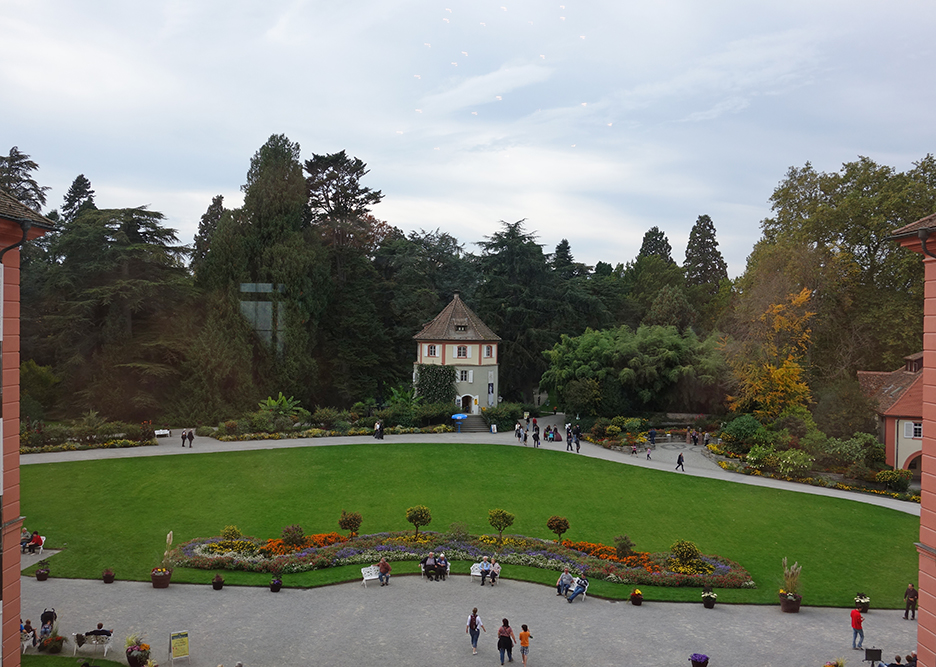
(161, 577)
(790, 605)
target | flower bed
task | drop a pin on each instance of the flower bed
(74, 446)
(324, 433)
(594, 560)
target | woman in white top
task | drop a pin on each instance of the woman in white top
(473, 628)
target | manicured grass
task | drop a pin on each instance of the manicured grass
(33, 660)
(116, 513)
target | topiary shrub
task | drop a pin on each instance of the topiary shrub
(558, 525)
(458, 531)
(419, 515)
(293, 535)
(231, 533)
(685, 551)
(895, 480)
(623, 546)
(350, 521)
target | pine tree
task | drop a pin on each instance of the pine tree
(78, 199)
(16, 178)
(656, 243)
(206, 229)
(704, 263)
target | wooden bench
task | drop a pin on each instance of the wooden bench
(575, 584)
(93, 641)
(370, 573)
(476, 572)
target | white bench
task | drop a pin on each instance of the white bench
(370, 573)
(476, 572)
(575, 584)
(93, 641)
(162, 433)
(39, 549)
(422, 569)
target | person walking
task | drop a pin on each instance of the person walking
(569, 438)
(191, 437)
(536, 437)
(525, 637)
(857, 632)
(648, 453)
(505, 640)
(911, 596)
(474, 628)
(183, 437)
(679, 462)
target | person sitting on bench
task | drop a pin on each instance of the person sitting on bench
(100, 631)
(429, 564)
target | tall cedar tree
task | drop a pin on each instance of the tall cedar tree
(79, 198)
(656, 243)
(704, 263)
(206, 229)
(16, 178)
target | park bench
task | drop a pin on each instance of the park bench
(575, 584)
(92, 640)
(476, 572)
(162, 433)
(422, 569)
(369, 573)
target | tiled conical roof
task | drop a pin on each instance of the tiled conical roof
(457, 322)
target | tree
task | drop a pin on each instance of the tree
(206, 230)
(671, 308)
(500, 520)
(16, 178)
(558, 525)
(656, 243)
(704, 263)
(419, 516)
(79, 198)
(340, 205)
(350, 521)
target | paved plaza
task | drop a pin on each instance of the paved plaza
(416, 622)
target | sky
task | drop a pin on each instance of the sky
(592, 120)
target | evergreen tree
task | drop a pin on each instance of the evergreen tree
(206, 229)
(340, 205)
(704, 263)
(79, 198)
(671, 308)
(656, 243)
(16, 178)
(562, 262)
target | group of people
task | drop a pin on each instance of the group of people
(188, 435)
(911, 598)
(435, 567)
(47, 629)
(30, 541)
(564, 584)
(489, 569)
(506, 639)
(378, 430)
(523, 432)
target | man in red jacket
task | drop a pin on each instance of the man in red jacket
(857, 632)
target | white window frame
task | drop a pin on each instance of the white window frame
(488, 351)
(432, 351)
(459, 349)
(463, 376)
(913, 430)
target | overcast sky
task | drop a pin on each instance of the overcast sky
(593, 120)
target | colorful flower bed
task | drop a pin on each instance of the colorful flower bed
(594, 560)
(76, 447)
(323, 433)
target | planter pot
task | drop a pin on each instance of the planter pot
(275, 588)
(161, 580)
(134, 661)
(636, 601)
(217, 585)
(863, 608)
(788, 606)
(108, 578)
(696, 663)
(54, 648)
(41, 576)
(708, 603)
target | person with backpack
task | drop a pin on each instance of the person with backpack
(473, 628)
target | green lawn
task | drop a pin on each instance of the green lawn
(116, 513)
(40, 660)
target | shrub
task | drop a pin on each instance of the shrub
(600, 428)
(458, 531)
(613, 431)
(205, 432)
(350, 521)
(504, 415)
(558, 525)
(738, 435)
(232, 427)
(762, 458)
(231, 533)
(325, 417)
(419, 515)
(293, 535)
(623, 546)
(794, 462)
(895, 480)
(685, 551)
(500, 520)
(260, 421)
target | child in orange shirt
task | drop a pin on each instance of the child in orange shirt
(525, 638)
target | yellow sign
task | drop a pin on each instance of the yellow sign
(178, 644)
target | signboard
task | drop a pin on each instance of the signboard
(178, 645)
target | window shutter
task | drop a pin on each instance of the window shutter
(908, 429)
(469, 350)
(470, 377)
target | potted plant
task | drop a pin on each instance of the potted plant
(160, 576)
(636, 597)
(108, 576)
(862, 601)
(698, 660)
(43, 572)
(51, 644)
(218, 582)
(709, 597)
(138, 651)
(789, 595)
(276, 583)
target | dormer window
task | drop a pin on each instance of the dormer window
(461, 327)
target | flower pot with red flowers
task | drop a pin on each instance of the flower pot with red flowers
(51, 644)
(636, 597)
(161, 576)
(43, 572)
(218, 582)
(138, 651)
(108, 576)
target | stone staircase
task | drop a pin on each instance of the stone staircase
(474, 424)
